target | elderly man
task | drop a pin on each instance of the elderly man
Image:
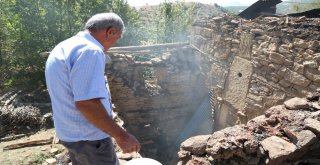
(81, 102)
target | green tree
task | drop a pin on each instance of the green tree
(170, 24)
(34, 26)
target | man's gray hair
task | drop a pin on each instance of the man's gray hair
(104, 21)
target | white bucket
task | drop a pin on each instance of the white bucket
(143, 161)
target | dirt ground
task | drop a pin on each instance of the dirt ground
(29, 155)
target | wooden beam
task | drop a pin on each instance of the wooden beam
(146, 47)
(28, 144)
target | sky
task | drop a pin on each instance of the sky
(219, 2)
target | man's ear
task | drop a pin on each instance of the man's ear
(111, 32)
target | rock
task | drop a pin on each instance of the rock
(313, 125)
(296, 78)
(196, 145)
(299, 43)
(314, 45)
(277, 147)
(297, 103)
(291, 134)
(51, 161)
(306, 138)
(54, 150)
(184, 155)
(62, 158)
(251, 146)
(235, 22)
(311, 64)
(273, 47)
(277, 58)
(257, 31)
(217, 19)
(198, 160)
(298, 68)
(284, 83)
(312, 75)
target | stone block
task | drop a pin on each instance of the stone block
(314, 45)
(296, 78)
(305, 138)
(283, 50)
(299, 43)
(51, 161)
(311, 64)
(313, 75)
(313, 125)
(196, 145)
(297, 103)
(257, 31)
(277, 57)
(273, 47)
(206, 32)
(54, 150)
(277, 147)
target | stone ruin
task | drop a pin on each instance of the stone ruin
(286, 134)
(232, 71)
(257, 64)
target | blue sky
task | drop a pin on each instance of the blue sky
(220, 2)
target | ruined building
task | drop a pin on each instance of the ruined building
(231, 71)
(260, 63)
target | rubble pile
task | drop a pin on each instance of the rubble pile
(285, 134)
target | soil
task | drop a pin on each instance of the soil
(29, 155)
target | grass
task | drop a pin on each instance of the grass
(40, 158)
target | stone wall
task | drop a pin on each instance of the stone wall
(252, 65)
(156, 89)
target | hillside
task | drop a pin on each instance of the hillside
(236, 9)
(151, 13)
(282, 8)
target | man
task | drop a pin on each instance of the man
(81, 102)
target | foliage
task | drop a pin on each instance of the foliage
(28, 28)
(170, 24)
(40, 158)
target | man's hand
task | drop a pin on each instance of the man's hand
(94, 112)
(128, 143)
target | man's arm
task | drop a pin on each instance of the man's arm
(95, 113)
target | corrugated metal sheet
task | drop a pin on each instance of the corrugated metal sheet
(259, 7)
